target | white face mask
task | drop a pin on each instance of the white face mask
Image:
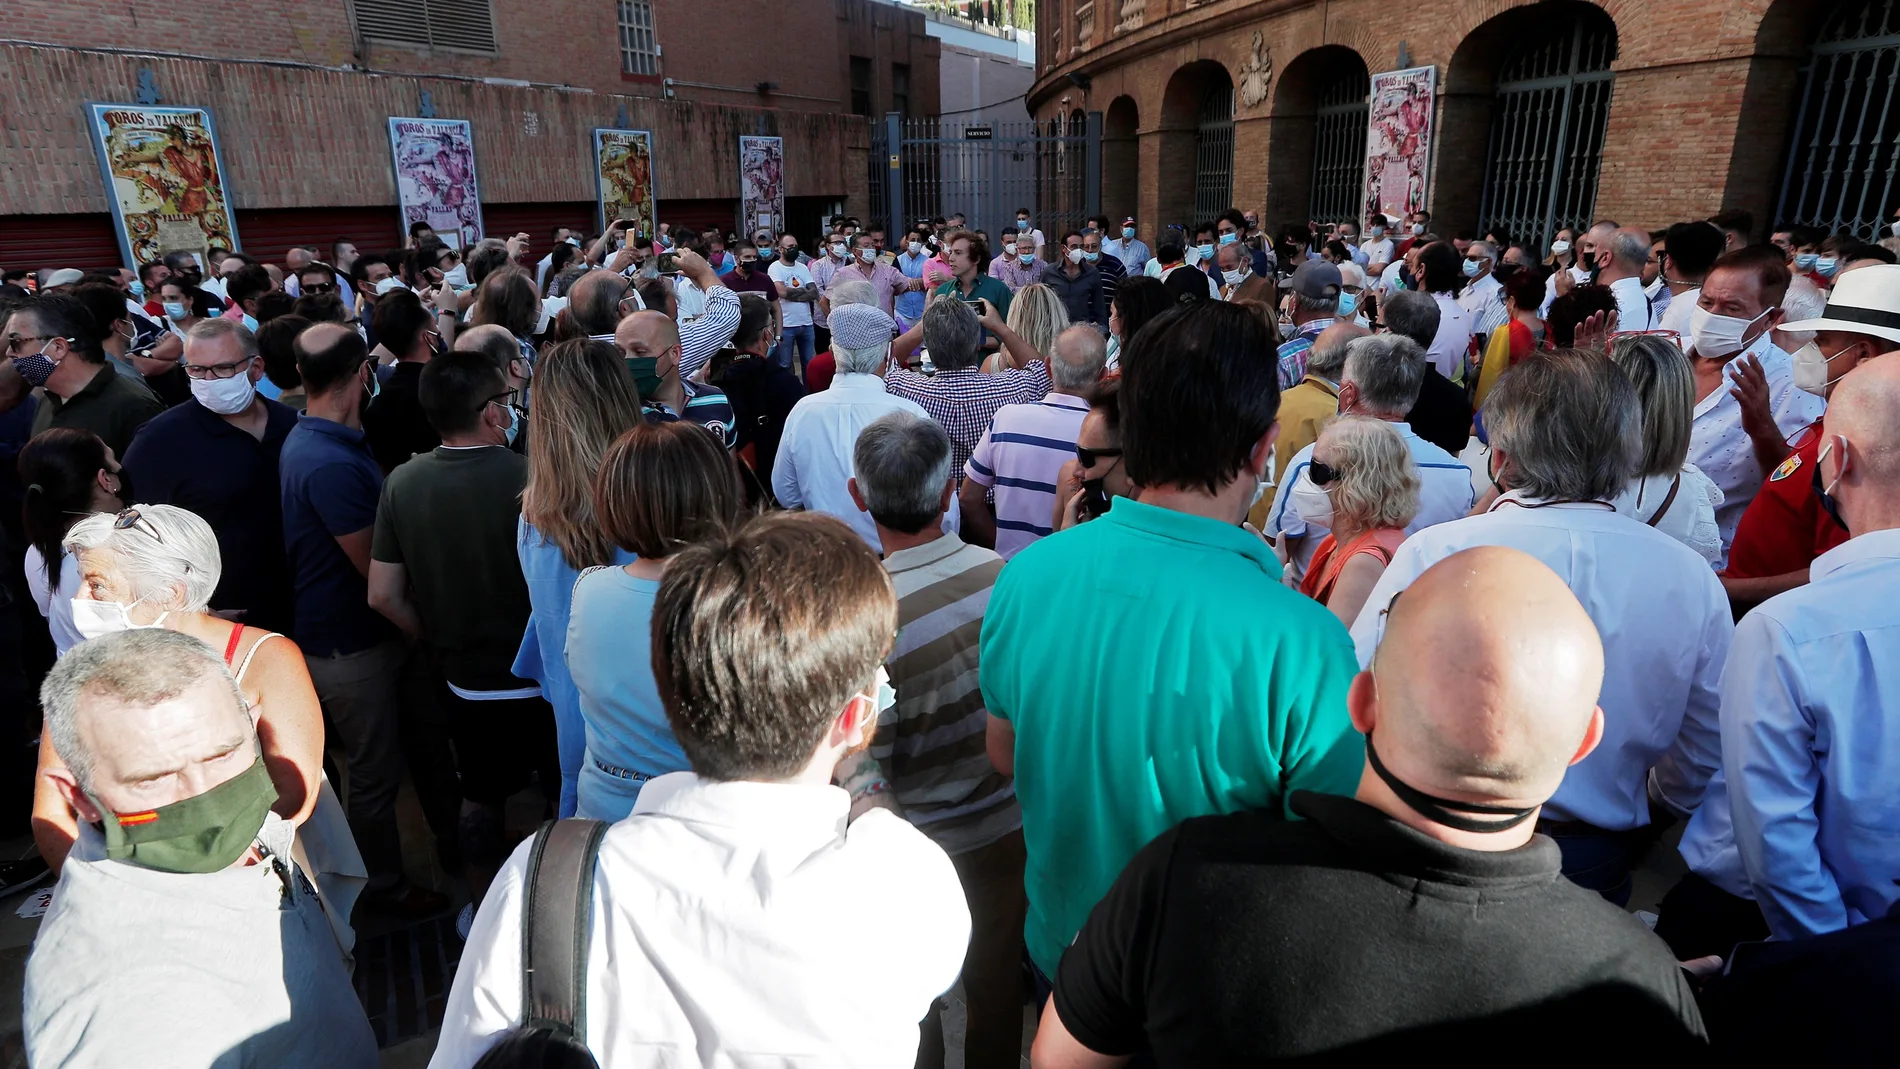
(456, 276)
(916, 248)
(1559, 247)
(837, 250)
(1717, 335)
(867, 255)
(1810, 369)
(94, 618)
(1310, 503)
(1234, 278)
(226, 397)
(1075, 256)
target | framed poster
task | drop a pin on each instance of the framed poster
(1399, 140)
(761, 185)
(623, 178)
(435, 178)
(163, 178)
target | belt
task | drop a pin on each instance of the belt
(620, 773)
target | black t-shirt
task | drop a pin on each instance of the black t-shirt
(395, 423)
(1442, 415)
(1244, 938)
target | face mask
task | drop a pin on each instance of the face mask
(1377, 232)
(250, 323)
(1810, 370)
(790, 256)
(1348, 302)
(138, 290)
(1229, 238)
(1311, 503)
(37, 368)
(1022, 223)
(1075, 256)
(646, 373)
(1559, 247)
(1473, 267)
(1092, 257)
(837, 250)
(1203, 252)
(514, 426)
(1026, 258)
(1825, 492)
(1445, 810)
(1233, 278)
(1825, 266)
(867, 255)
(94, 618)
(226, 397)
(1418, 228)
(456, 276)
(1129, 231)
(916, 248)
(375, 386)
(207, 833)
(1804, 261)
(1718, 335)
(176, 310)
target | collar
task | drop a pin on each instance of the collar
(1325, 384)
(1066, 400)
(1524, 500)
(1633, 280)
(93, 387)
(857, 381)
(1316, 327)
(1762, 349)
(784, 814)
(607, 337)
(938, 548)
(1198, 530)
(1872, 547)
(1394, 848)
(331, 428)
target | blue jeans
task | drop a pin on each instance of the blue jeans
(797, 339)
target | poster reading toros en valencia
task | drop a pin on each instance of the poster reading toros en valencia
(1399, 141)
(435, 178)
(623, 173)
(163, 179)
(761, 185)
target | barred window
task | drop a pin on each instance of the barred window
(639, 49)
(463, 25)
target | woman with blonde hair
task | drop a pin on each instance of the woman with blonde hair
(1037, 316)
(1668, 493)
(507, 299)
(584, 399)
(1364, 466)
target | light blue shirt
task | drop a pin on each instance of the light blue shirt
(1810, 712)
(911, 305)
(550, 596)
(1665, 624)
(1131, 252)
(626, 725)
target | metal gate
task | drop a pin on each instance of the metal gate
(1843, 156)
(1553, 103)
(987, 170)
(1214, 155)
(1339, 149)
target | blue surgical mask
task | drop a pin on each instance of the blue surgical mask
(176, 310)
(1128, 232)
(1091, 257)
(1825, 266)
(1348, 303)
(1804, 261)
(514, 426)
(1206, 251)
(250, 323)
(138, 290)
(1472, 267)
(1229, 238)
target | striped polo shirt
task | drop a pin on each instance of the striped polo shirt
(931, 743)
(1021, 457)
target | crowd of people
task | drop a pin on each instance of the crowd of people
(901, 614)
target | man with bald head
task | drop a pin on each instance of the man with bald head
(1621, 253)
(1423, 912)
(650, 342)
(498, 344)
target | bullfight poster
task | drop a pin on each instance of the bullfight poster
(435, 178)
(163, 178)
(761, 185)
(1399, 141)
(623, 173)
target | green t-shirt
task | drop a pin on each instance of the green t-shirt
(1155, 669)
(986, 286)
(448, 517)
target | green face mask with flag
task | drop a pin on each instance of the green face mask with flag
(206, 833)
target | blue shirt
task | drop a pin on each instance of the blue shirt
(551, 595)
(1131, 252)
(331, 485)
(627, 729)
(1810, 712)
(191, 457)
(911, 305)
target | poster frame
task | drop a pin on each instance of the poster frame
(1429, 74)
(475, 174)
(600, 186)
(94, 110)
(748, 210)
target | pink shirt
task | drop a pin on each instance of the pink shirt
(887, 280)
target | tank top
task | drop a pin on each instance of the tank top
(1330, 559)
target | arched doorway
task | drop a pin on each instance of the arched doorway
(1316, 156)
(1121, 160)
(1552, 107)
(1214, 152)
(1843, 166)
(1197, 123)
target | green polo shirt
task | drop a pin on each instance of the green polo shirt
(985, 286)
(110, 406)
(1155, 669)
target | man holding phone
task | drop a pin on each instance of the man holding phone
(966, 254)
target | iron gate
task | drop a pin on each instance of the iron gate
(1214, 154)
(1339, 149)
(987, 170)
(1843, 157)
(1552, 106)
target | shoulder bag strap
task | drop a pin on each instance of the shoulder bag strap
(557, 924)
(1668, 500)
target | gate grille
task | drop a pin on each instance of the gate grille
(1214, 154)
(1339, 149)
(942, 168)
(1546, 147)
(1843, 157)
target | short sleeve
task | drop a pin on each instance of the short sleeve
(982, 465)
(384, 545)
(1101, 985)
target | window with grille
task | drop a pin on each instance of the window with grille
(860, 85)
(900, 89)
(1339, 148)
(639, 48)
(1546, 148)
(463, 25)
(1214, 154)
(1843, 172)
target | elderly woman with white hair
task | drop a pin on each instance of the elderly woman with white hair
(1363, 465)
(156, 566)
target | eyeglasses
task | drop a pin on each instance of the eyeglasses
(1320, 474)
(18, 341)
(320, 287)
(1088, 457)
(132, 518)
(202, 372)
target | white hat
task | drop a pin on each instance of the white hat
(65, 276)
(1350, 274)
(1865, 300)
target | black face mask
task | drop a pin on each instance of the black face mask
(1828, 504)
(1445, 810)
(1095, 500)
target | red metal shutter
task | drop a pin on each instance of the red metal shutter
(538, 221)
(721, 214)
(31, 242)
(268, 233)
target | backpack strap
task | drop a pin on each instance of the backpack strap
(1674, 487)
(557, 924)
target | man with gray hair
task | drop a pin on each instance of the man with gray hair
(1566, 436)
(1621, 254)
(1307, 406)
(1381, 379)
(1443, 414)
(181, 923)
(1315, 286)
(813, 466)
(823, 366)
(1483, 295)
(1020, 457)
(930, 745)
(960, 396)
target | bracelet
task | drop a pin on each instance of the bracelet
(876, 786)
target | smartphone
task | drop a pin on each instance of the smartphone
(669, 263)
(975, 304)
(434, 276)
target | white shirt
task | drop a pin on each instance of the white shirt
(814, 464)
(1676, 316)
(55, 605)
(737, 924)
(1444, 494)
(1665, 625)
(792, 276)
(1722, 449)
(691, 299)
(1579, 274)
(1632, 304)
(1483, 303)
(1690, 517)
(1379, 251)
(1452, 344)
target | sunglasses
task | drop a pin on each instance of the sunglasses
(1321, 474)
(131, 518)
(320, 287)
(1088, 457)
